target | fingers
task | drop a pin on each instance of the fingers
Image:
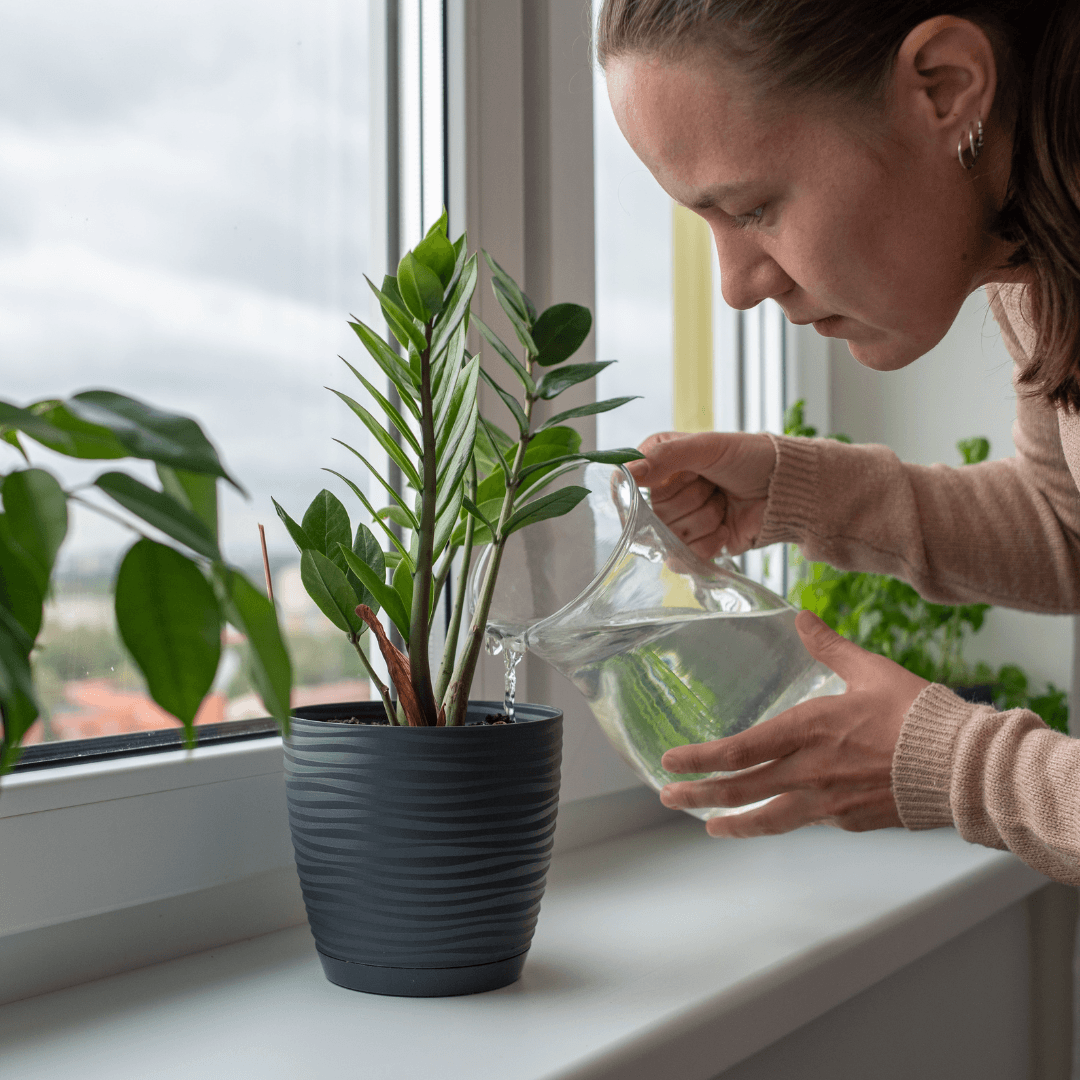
(785, 813)
(670, 452)
(766, 741)
(835, 652)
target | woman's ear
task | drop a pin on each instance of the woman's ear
(945, 77)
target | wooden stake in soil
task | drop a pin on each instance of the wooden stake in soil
(266, 565)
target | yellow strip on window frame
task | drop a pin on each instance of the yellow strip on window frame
(691, 250)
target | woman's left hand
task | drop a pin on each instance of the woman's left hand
(827, 760)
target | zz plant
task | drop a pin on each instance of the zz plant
(466, 482)
(171, 602)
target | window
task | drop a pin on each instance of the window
(191, 194)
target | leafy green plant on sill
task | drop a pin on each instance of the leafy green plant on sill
(889, 617)
(467, 482)
(171, 603)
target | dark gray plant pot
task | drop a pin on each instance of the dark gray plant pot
(422, 852)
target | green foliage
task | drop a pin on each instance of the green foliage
(470, 482)
(888, 617)
(170, 606)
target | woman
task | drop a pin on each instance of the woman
(869, 164)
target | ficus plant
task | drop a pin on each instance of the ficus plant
(171, 602)
(465, 481)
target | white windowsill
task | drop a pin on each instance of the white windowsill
(659, 954)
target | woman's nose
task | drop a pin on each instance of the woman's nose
(747, 274)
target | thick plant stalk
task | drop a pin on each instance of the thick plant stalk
(398, 665)
(419, 619)
(470, 657)
(449, 655)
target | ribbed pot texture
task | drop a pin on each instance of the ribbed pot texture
(422, 852)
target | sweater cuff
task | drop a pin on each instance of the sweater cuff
(792, 499)
(923, 760)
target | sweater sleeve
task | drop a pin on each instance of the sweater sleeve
(1003, 532)
(1005, 780)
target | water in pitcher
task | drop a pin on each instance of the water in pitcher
(667, 648)
(654, 682)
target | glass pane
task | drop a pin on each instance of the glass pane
(187, 213)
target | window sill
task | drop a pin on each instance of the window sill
(659, 954)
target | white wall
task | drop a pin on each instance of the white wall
(959, 389)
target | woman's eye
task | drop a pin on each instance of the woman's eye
(752, 218)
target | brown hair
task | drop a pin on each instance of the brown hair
(846, 48)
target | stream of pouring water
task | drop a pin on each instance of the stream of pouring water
(512, 648)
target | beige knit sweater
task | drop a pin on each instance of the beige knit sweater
(1002, 532)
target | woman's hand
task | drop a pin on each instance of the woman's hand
(709, 489)
(827, 760)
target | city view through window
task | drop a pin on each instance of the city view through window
(186, 214)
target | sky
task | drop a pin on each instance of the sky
(184, 217)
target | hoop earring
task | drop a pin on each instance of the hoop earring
(975, 145)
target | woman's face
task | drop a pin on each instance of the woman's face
(870, 232)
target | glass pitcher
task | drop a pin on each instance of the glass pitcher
(667, 648)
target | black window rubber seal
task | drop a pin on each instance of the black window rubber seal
(77, 751)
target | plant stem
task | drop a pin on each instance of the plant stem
(461, 681)
(419, 619)
(449, 655)
(384, 690)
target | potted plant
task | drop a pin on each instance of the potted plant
(171, 603)
(423, 822)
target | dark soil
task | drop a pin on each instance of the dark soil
(491, 719)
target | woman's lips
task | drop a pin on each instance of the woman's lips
(829, 326)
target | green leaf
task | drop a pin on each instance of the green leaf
(420, 288)
(195, 491)
(503, 350)
(447, 517)
(510, 401)
(398, 319)
(326, 521)
(170, 621)
(974, 450)
(441, 226)
(491, 445)
(392, 414)
(452, 470)
(13, 418)
(22, 586)
(521, 328)
(81, 440)
(399, 516)
(457, 308)
(478, 513)
(589, 410)
(12, 438)
(387, 597)
(552, 505)
(366, 548)
(560, 332)
(437, 254)
(18, 712)
(160, 510)
(457, 413)
(268, 660)
(36, 517)
(300, 538)
(446, 375)
(403, 586)
(545, 447)
(605, 457)
(555, 382)
(372, 471)
(151, 433)
(391, 364)
(506, 284)
(384, 439)
(327, 585)
(374, 514)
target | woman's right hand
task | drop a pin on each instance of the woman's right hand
(710, 488)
